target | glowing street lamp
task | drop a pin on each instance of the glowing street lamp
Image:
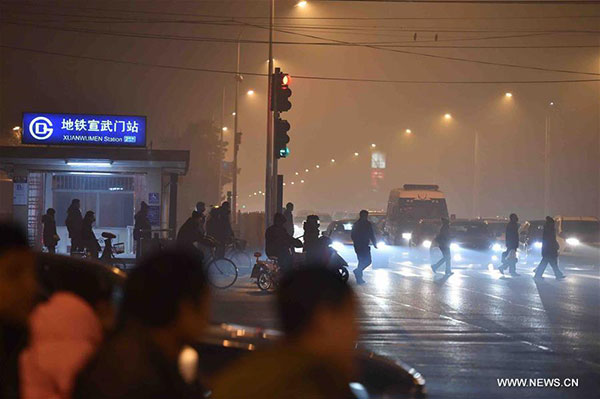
(306, 170)
(224, 128)
(447, 116)
(508, 94)
(356, 154)
(302, 4)
(317, 166)
(332, 160)
(408, 131)
(373, 145)
(250, 92)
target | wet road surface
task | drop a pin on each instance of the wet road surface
(465, 332)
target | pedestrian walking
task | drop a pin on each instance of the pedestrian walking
(88, 238)
(362, 236)
(289, 218)
(443, 241)
(509, 257)
(50, 237)
(74, 223)
(550, 249)
(142, 229)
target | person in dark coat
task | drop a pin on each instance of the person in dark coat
(88, 238)
(289, 218)
(201, 208)
(279, 243)
(74, 223)
(443, 241)
(189, 234)
(509, 257)
(219, 227)
(50, 236)
(166, 305)
(550, 249)
(362, 235)
(141, 229)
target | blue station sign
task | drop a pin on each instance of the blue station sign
(78, 129)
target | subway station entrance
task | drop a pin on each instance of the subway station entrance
(111, 182)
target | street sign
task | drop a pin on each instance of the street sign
(80, 129)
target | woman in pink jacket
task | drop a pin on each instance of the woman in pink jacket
(64, 332)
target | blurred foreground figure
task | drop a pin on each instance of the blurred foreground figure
(18, 289)
(315, 359)
(509, 257)
(165, 306)
(362, 235)
(549, 251)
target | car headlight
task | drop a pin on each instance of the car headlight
(495, 258)
(426, 244)
(381, 244)
(338, 246)
(497, 247)
(454, 246)
(407, 236)
(537, 245)
(572, 241)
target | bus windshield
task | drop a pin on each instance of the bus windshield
(411, 209)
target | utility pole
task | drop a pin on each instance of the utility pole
(476, 211)
(237, 138)
(221, 143)
(547, 165)
(270, 155)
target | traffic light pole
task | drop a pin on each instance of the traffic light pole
(236, 140)
(270, 148)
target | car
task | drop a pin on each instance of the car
(424, 233)
(223, 343)
(470, 234)
(578, 235)
(496, 227)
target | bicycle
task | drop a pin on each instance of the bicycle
(110, 249)
(266, 272)
(222, 272)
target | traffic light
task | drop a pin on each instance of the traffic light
(281, 92)
(281, 138)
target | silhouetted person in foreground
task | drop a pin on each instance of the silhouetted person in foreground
(509, 257)
(362, 236)
(50, 236)
(74, 224)
(443, 241)
(88, 238)
(289, 218)
(316, 357)
(549, 251)
(165, 306)
(279, 243)
(18, 290)
(189, 234)
(142, 229)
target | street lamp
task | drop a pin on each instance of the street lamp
(508, 94)
(408, 131)
(302, 4)
(373, 145)
(356, 154)
(332, 160)
(250, 92)
(447, 116)
(224, 128)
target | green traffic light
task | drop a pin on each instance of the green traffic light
(284, 152)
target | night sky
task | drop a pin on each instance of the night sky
(351, 88)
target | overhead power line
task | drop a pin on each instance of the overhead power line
(307, 77)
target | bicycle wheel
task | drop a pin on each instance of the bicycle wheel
(222, 273)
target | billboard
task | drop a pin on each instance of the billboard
(80, 129)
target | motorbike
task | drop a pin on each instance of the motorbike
(267, 272)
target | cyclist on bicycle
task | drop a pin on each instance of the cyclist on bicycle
(279, 243)
(189, 234)
(219, 227)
